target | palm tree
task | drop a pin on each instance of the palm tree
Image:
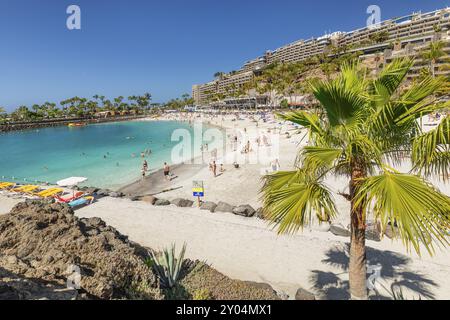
(434, 52)
(3, 114)
(364, 128)
(219, 75)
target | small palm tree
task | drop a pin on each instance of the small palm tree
(434, 52)
(364, 128)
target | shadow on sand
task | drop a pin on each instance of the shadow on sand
(329, 285)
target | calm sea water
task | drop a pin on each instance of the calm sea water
(101, 152)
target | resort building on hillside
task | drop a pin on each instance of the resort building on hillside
(404, 36)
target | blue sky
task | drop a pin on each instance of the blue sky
(129, 47)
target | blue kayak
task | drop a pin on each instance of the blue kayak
(78, 202)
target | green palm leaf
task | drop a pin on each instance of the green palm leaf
(421, 213)
(308, 120)
(343, 98)
(431, 150)
(292, 198)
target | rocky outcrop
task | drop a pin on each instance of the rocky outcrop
(183, 203)
(220, 287)
(208, 205)
(116, 194)
(244, 210)
(162, 202)
(15, 287)
(103, 192)
(224, 207)
(47, 242)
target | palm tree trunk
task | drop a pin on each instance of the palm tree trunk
(357, 265)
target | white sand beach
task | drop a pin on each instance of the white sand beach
(249, 249)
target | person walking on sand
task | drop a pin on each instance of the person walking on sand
(145, 165)
(275, 165)
(166, 171)
(214, 168)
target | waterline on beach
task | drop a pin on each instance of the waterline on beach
(109, 155)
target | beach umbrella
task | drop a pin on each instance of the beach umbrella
(71, 182)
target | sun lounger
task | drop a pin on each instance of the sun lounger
(6, 185)
(49, 192)
(25, 189)
(69, 198)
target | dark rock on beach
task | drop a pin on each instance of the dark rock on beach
(103, 193)
(184, 203)
(116, 194)
(244, 210)
(162, 202)
(220, 287)
(339, 230)
(208, 205)
(224, 207)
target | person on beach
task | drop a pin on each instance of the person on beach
(213, 168)
(166, 171)
(145, 165)
(275, 165)
(143, 173)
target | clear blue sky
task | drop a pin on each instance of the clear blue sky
(129, 47)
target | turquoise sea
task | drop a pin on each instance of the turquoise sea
(108, 154)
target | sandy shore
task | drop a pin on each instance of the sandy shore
(248, 249)
(235, 186)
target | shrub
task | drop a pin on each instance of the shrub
(166, 266)
(202, 294)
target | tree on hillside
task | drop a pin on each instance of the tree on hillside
(434, 52)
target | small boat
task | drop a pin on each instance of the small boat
(76, 124)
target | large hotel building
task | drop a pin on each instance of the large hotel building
(404, 36)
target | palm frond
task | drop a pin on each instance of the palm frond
(292, 198)
(311, 121)
(315, 157)
(431, 150)
(343, 98)
(420, 212)
(390, 79)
